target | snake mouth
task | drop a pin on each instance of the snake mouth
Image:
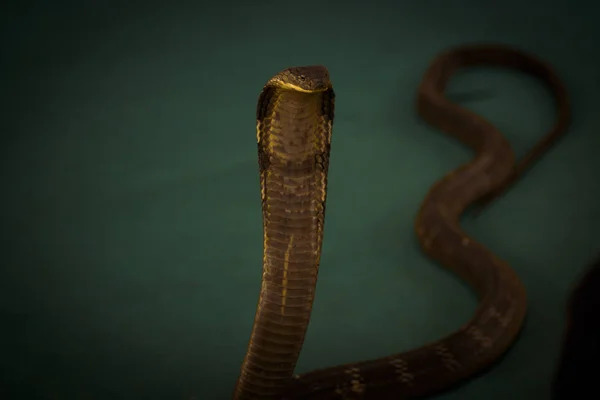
(318, 88)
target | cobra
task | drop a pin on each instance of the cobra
(294, 122)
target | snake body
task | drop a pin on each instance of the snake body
(294, 123)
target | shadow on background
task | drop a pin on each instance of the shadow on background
(131, 240)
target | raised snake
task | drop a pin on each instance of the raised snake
(294, 120)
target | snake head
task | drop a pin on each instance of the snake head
(308, 79)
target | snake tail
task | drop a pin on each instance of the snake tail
(502, 56)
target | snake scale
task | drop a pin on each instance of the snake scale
(294, 121)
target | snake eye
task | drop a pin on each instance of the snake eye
(302, 78)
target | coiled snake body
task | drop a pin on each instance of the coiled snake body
(294, 123)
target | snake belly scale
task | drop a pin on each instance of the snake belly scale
(295, 115)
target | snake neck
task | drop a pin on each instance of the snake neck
(293, 144)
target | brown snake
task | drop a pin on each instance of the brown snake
(294, 123)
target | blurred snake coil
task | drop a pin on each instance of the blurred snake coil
(294, 121)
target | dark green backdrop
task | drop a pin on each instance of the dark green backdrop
(131, 224)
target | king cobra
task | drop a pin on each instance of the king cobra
(294, 120)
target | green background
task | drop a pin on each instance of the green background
(130, 209)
